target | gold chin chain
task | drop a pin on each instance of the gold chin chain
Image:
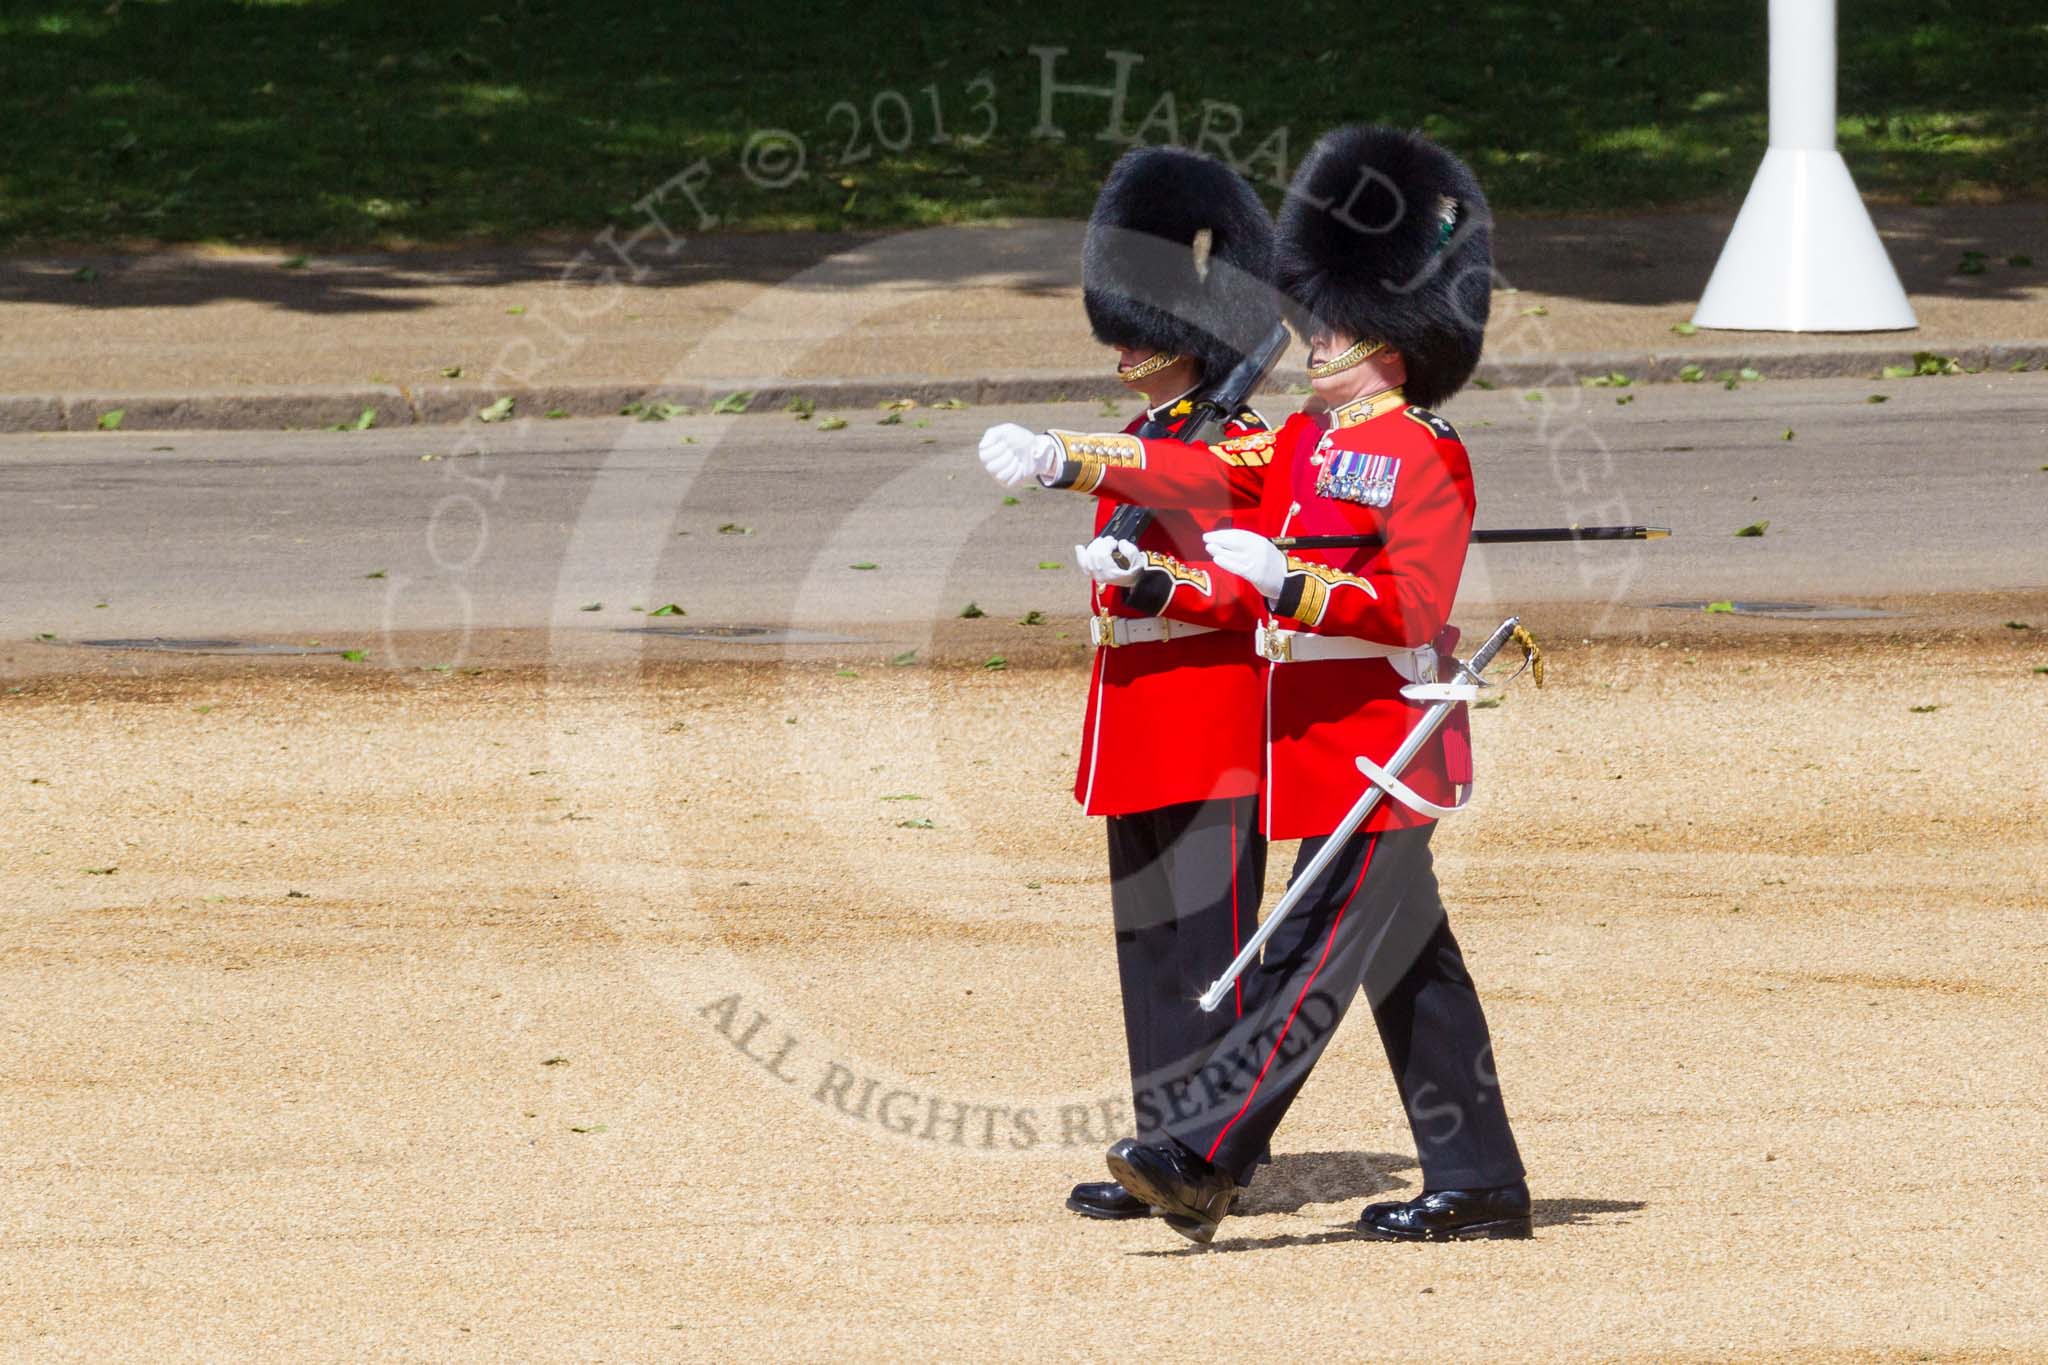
(1357, 355)
(1145, 369)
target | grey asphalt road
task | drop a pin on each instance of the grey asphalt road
(767, 520)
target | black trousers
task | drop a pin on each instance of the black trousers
(1373, 921)
(1185, 882)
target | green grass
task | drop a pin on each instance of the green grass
(339, 124)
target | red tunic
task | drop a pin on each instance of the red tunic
(1309, 479)
(1178, 719)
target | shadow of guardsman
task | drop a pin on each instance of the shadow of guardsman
(1545, 1213)
(1298, 1179)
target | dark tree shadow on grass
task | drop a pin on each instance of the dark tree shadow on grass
(1039, 260)
(331, 125)
(1642, 260)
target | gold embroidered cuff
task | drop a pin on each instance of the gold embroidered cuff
(1084, 458)
(1305, 595)
(1251, 451)
(1163, 576)
(1179, 573)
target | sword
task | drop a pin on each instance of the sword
(1432, 721)
(1495, 536)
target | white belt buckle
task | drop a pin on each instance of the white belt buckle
(1275, 646)
(1102, 631)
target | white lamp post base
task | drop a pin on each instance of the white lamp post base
(1804, 256)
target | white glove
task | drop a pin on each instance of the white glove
(1250, 556)
(1014, 455)
(1097, 559)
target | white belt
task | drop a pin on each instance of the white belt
(1110, 632)
(1300, 647)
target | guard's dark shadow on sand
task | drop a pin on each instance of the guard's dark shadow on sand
(1548, 1213)
(1297, 1179)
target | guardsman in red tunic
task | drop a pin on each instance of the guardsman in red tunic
(1176, 274)
(1384, 244)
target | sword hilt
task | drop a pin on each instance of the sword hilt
(1495, 642)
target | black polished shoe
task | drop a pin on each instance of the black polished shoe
(1451, 1216)
(1107, 1199)
(1193, 1194)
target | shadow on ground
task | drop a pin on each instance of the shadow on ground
(1297, 1179)
(1549, 1213)
(1648, 260)
(1667, 258)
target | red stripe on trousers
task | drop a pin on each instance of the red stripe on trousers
(1306, 986)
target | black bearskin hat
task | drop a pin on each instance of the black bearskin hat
(1387, 236)
(1144, 281)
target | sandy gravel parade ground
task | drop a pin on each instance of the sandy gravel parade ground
(701, 1006)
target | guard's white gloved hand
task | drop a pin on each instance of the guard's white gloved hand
(1097, 559)
(1250, 556)
(1014, 455)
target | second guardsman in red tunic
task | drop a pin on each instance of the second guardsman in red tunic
(1176, 275)
(1385, 246)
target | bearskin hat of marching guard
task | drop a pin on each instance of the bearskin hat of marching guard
(1179, 258)
(1387, 236)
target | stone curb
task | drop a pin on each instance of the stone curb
(255, 410)
(448, 404)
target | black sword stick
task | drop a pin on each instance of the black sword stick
(1498, 536)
